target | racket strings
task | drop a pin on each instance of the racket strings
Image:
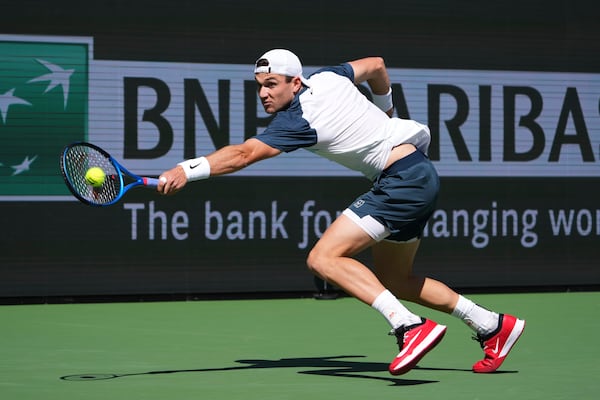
(77, 160)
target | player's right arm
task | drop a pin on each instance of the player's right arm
(226, 160)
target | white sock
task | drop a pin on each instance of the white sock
(481, 320)
(393, 311)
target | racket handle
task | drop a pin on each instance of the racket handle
(152, 182)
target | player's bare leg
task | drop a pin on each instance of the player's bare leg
(393, 262)
(331, 259)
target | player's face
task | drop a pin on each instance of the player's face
(275, 92)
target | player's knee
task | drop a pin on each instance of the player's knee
(316, 263)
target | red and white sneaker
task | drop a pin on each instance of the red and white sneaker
(498, 344)
(414, 342)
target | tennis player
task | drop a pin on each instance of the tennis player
(326, 114)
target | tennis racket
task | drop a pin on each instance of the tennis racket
(78, 157)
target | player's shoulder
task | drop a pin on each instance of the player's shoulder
(344, 70)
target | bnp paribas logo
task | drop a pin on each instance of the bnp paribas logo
(43, 107)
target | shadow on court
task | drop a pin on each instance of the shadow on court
(334, 366)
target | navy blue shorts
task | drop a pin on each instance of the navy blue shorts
(401, 200)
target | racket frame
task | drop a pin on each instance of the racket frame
(121, 173)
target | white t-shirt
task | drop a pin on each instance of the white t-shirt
(333, 119)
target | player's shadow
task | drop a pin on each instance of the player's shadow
(335, 366)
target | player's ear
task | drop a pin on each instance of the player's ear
(297, 82)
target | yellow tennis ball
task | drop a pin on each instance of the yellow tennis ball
(95, 176)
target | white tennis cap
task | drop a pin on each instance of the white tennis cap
(282, 62)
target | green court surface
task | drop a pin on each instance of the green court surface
(286, 349)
